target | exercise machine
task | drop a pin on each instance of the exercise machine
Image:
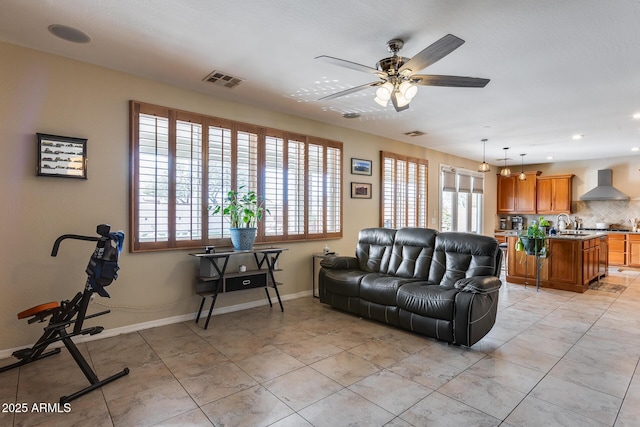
(67, 317)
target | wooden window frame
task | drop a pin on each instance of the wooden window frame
(135, 245)
(421, 179)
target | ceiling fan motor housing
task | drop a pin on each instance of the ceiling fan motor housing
(391, 65)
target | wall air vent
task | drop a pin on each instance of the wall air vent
(415, 133)
(221, 79)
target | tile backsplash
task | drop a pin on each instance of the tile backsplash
(616, 213)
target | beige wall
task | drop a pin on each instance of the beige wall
(50, 94)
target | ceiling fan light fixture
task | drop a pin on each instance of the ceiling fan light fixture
(383, 103)
(408, 89)
(399, 99)
(384, 92)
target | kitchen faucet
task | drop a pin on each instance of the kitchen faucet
(563, 224)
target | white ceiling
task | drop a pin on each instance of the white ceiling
(557, 68)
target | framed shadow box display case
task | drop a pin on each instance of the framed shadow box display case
(62, 156)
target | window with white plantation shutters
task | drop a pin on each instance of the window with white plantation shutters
(219, 176)
(333, 199)
(403, 191)
(152, 186)
(184, 164)
(246, 161)
(296, 189)
(188, 181)
(316, 189)
(274, 186)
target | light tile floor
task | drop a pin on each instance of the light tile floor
(553, 358)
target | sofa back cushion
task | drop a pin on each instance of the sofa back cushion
(374, 249)
(412, 252)
(460, 255)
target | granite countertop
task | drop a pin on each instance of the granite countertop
(584, 235)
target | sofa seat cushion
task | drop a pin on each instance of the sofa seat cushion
(427, 299)
(344, 282)
(381, 288)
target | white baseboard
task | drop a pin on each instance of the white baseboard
(162, 322)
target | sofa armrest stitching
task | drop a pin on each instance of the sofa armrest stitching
(483, 316)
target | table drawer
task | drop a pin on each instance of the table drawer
(245, 282)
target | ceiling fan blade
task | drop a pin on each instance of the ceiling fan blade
(349, 64)
(451, 81)
(351, 90)
(433, 53)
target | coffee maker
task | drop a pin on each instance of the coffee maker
(517, 223)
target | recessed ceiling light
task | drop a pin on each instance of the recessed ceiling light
(69, 34)
(635, 149)
(636, 116)
(577, 136)
(549, 157)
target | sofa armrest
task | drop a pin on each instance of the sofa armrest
(479, 284)
(339, 263)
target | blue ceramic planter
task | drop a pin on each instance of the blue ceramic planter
(242, 238)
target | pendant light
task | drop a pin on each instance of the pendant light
(505, 172)
(484, 166)
(522, 176)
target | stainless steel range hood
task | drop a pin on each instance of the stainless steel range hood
(604, 190)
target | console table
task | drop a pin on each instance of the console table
(223, 281)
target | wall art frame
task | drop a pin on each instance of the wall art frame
(360, 190)
(360, 166)
(62, 156)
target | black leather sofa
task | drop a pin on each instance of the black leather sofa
(443, 285)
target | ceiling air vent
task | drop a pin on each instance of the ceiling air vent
(221, 79)
(415, 133)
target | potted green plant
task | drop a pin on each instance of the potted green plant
(544, 225)
(243, 211)
(534, 241)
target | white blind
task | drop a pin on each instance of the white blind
(478, 185)
(334, 190)
(153, 179)
(188, 181)
(219, 177)
(464, 183)
(448, 180)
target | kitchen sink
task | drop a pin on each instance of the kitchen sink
(573, 233)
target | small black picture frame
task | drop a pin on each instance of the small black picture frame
(62, 156)
(360, 166)
(360, 190)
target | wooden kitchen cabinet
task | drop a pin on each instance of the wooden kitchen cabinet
(553, 194)
(571, 265)
(633, 250)
(562, 261)
(617, 249)
(515, 196)
(590, 250)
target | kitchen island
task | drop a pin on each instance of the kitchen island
(574, 261)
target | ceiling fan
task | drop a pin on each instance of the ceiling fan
(398, 78)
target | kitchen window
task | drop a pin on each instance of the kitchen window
(461, 200)
(185, 163)
(404, 191)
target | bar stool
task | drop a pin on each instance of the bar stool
(504, 248)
